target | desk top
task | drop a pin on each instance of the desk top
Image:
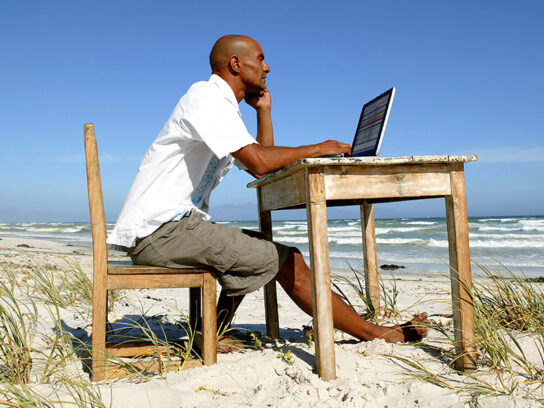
(364, 161)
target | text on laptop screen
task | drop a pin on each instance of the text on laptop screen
(371, 125)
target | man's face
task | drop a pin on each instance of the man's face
(253, 68)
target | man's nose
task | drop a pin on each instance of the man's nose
(266, 67)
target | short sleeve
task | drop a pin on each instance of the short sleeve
(217, 123)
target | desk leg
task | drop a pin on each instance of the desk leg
(316, 208)
(270, 297)
(370, 257)
(460, 273)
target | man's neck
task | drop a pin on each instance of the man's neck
(236, 85)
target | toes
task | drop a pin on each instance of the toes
(421, 318)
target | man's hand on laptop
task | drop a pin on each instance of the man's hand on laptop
(262, 160)
(333, 147)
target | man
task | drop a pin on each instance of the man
(164, 221)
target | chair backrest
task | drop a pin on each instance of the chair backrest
(96, 206)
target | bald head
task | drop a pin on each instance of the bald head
(239, 60)
(228, 46)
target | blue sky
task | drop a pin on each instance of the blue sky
(468, 77)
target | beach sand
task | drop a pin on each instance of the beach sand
(368, 375)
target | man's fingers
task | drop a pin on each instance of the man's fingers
(335, 147)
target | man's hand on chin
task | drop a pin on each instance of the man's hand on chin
(259, 100)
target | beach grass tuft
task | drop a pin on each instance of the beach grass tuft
(388, 296)
(144, 330)
(31, 376)
(49, 370)
(508, 312)
(65, 287)
(18, 321)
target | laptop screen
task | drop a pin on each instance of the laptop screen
(372, 123)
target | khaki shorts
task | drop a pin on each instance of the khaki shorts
(243, 261)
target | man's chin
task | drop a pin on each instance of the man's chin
(257, 89)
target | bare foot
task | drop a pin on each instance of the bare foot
(414, 330)
(229, 343)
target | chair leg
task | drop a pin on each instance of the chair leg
(195, 308)
(98, 353)
(209, 320)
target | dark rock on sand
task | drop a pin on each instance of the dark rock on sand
(24, 246)
(540, 279)
(390, 267)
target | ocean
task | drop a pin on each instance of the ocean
(418, 244)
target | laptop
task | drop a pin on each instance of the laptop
(372, 123)
(371, 127)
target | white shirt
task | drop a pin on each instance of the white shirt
(186, 161)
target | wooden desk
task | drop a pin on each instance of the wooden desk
(321, 182)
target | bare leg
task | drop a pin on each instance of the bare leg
(295, 278)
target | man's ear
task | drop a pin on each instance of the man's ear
(234, 63)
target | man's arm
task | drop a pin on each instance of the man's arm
(262, 103)
(262, 160)
(265, 158)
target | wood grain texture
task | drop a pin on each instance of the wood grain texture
(209, 320)
(135, 349)
(288, 193)
(321, 279)
(270, 294)
(155, 281)
(148, 367)
(116, 269)
(361, 162)
(460, 272)
(372, 182)
(370, 259)
(100, 253)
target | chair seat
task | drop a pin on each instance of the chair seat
(154, 277)
(131, 269)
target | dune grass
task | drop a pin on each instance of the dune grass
(30, 376)
(65, 287)
(389, 309)
(145, 329)
(46, 368)
(18, 321)
(509, 318)
(509, 312)
(505, 308)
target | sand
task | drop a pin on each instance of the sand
(367, 374)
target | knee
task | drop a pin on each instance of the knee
(292, 276)
(294, 259)
(299, 264)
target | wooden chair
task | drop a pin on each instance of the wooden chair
(107, 276)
